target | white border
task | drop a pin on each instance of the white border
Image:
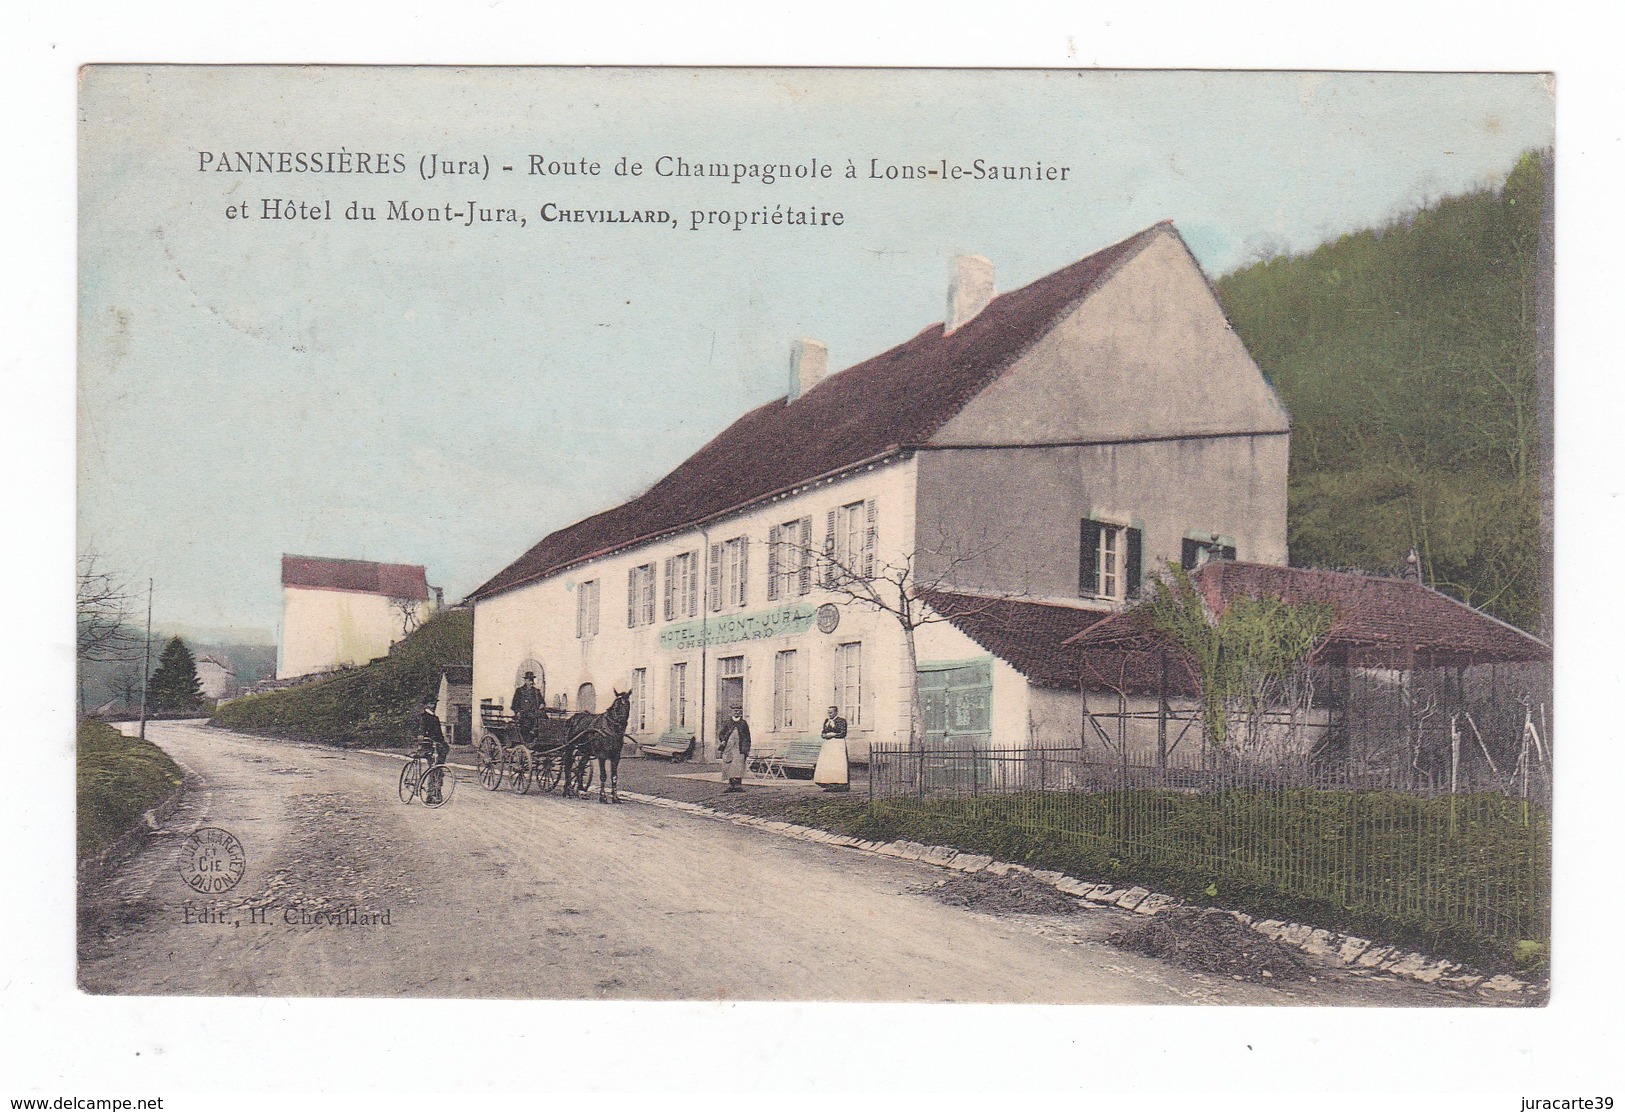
(59, 1042)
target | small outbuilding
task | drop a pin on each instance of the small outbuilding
(1408, 685)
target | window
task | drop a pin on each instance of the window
(787, 713)
(1108, 560)
(587, 609)
(1194, 552)
(849, 682)
(638, 719)
(789, 562)
(682, 586)
(729, 572)
(679, 696)
(640, 596)
(849, 542)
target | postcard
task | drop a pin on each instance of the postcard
(856, 535)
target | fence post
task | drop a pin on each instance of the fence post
(1122, 793)
(1455, 765)
(1162, 720)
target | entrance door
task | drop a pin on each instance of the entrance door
(730, 689)
(956, 712)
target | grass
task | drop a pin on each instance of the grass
(1382, 865)
(374, 705)
(119, 779)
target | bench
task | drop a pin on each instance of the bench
(803, 753)
(675, 747)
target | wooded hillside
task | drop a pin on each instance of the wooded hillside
(375, 704)
(1408, 358)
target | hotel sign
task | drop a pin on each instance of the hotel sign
(727, 629)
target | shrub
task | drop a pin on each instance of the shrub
(119, 778)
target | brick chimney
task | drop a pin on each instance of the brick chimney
(809, 362)
(970, 290)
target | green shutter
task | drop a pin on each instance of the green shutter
(1088, 558)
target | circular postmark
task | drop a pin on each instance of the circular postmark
(829, 617)
(211, 860)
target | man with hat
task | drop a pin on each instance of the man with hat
(735, 758)
(434, 748)
(527, 707)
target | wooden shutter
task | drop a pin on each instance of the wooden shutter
(714, 577)
(692, 560)
(871, 539)
(773, 563)
(829, 550)
(744, 570)
(631, 597)
(1088, 558)
(669, 605)
(806, 565)
(1132, 564)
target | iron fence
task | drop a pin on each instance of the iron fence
(1391, 845)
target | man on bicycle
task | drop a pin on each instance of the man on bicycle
(432, 748)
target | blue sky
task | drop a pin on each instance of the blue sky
(435, 394)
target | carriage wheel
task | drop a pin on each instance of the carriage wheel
(520, 765)
(548, 773)
(490, 763)
(439, 794)
(586, 775)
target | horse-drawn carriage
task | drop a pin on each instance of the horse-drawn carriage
(559, 751)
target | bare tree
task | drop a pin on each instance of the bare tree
(897, 587)
(409, 610)
(104, 612)
(127, 684)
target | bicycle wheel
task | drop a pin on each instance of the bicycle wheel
(491, 765)
(438, 794)
(520, 765)
(549, 772)
(410, 772)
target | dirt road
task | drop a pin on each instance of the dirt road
(345, 891)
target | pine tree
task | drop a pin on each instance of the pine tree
(175, 686)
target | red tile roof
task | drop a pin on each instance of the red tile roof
(1029, 636)
(897, 400)
(360, 576)
(1378, 622)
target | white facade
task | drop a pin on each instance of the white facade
(324, 628)
(217, 680)
(720, 642)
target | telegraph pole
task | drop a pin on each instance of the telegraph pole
(146, 663)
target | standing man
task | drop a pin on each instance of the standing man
(527, 707)
(735, 761)
(432, 740)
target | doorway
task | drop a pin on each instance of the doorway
(730, 689)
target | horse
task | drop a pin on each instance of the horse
(597, 735)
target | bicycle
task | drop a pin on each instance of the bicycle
(434, 783)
